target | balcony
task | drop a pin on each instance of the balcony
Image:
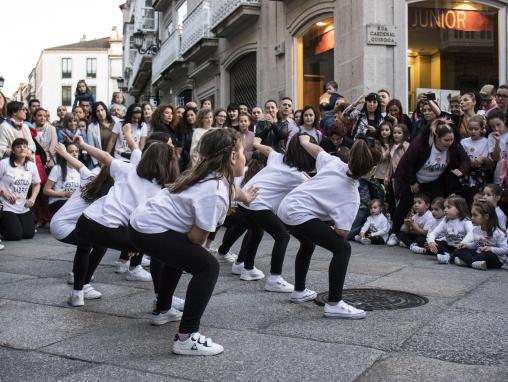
(161, 5)
(147, 20)
(198, 41)
(141, 74)
(231, 16)
(169, 55)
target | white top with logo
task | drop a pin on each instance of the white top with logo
(70, 184)
(433, 167)
(17, 180)
(121, 143)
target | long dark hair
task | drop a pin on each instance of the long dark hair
(183, 125)
(12, 158)
(98, 187)
(488, 212)
(396, 102)
(215, 150)
(296, 156)
(362, 159)
(109, 117)
(377, 112)
(231, 106)
(131, 110)
(157, 116)
(87, 91)
(316, 116)
(158, 162)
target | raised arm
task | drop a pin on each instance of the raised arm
(73, 162)
(311, 148)
(127, 132)
(100, 155)
(263, 149)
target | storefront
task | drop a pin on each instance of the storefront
(454, 47)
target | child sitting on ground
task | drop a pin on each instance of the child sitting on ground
(489, 248)
(376, 227)
(492, 195)
(415, 229)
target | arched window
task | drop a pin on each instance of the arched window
(242, 79)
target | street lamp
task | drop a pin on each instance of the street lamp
(120, 81)
(139, 38)
(1, 82)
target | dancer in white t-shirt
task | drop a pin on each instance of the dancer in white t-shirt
(309, 206)
(173, 225)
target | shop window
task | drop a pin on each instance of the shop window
(242, 79)
(453, 47)
(315, 62)
(66, 95)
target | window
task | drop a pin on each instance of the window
(66, 67)
(66, 95)
(91, 67)
(242, 77)
(93, 89)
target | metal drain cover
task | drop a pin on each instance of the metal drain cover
(377, 299)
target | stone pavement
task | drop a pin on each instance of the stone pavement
(460, 335)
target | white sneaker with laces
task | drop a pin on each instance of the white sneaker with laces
(251, 274)
(70, 278)
(415, 248)
(365, 241)
(481, 265)
(91, 293)
(443, 258)
(122, 266)
(145, 262)
(236, 269)
(77, 298)
(344, 310)
(229, 257)
(161, 318)
(278, 284)
(138, 274)
(196, 344)
(458, 261)
(392, 240)
(298, 297)
(177, 303)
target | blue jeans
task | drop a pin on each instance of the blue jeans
(361, 217)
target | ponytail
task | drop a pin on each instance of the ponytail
(362, 159)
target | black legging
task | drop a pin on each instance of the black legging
(236, 226)
(258, 222)
(470, 256)
(135, 260)
(17, 226)
(92, 235)
(315, 232)
(179, 254)
(55, 206)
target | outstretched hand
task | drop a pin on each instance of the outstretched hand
(250, 195)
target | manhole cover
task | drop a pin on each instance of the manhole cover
(377, 299)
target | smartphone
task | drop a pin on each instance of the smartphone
(431, 96)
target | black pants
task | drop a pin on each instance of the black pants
(258, 222)
(378, 240)
(177, 254)
(315, 232)
(442, 247)
(236, 226)
(17, 226)
(93, 240)
(55, 206)
(409, 238)
(470, 256)
(135, 260)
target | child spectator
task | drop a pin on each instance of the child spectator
(83, 93)
(418, 225)
(456, 228)
(489, 248)
(437, 210)
(376, 227)
(247, 136)
(497, 142)
(492, 195)
(398, 149)
(384, 144)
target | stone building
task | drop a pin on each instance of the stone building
(254, 50)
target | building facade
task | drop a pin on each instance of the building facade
(253, 50)
(99, 62)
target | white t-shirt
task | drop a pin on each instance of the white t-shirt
(71, 183)
(501, 218)
(316, 134)
(453, 231)
(433, 167)
(204, 204)
(497, 242)
(128, 192)
(425, 221)
(17, 180)
(330, 195)
(503, 140)
(274, 181)
(121, 143)
(476, 148)
(64, 221)
(377, 225)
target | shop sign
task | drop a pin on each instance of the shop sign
(440, 18)
(381, 35)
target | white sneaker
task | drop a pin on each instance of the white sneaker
(402, 244)
(365, 241)
(415, 248)
(481, 265)
(122, 266)
(70, 278)
(161, 318)
(196, 344)
(2, 247)
(307, 295)
(236, 269)
(138, 274)
(278, 284)
(251, 274)
(177, 303)
(145, 262)
(229, 257)
(458, 261)
(91, 293)
(214, 251)
(392, 240)
(443, 258)
(358, 238)
(77, 298)
(344, 310)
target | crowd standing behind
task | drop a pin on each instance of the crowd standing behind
(141, 179)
